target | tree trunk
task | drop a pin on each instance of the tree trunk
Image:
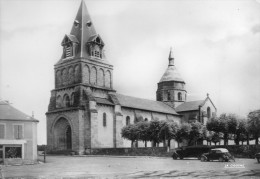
(256, 140)
(145, 143)
(237, 139)
(169, 143)
(132, 144)
(247, 139)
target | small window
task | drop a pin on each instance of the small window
(127, 120)
(145, 119)
(18, 131)
(2, 131)
(208, 112)
(169, 96)
(104, 119)
(179, 96)
(13, 152)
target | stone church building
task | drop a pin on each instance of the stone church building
(85, 111)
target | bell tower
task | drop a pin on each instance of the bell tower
(82, 75)
(171, 88)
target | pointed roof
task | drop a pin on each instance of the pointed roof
(171, 73)
(8, 112)
(83, 29)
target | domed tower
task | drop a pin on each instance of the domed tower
(171, 88)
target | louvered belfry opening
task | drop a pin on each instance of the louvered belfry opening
(68, 51)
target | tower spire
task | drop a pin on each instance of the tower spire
(83, 29)
(171, 59)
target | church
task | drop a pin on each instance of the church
(86, 112)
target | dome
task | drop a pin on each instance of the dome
(171, 74)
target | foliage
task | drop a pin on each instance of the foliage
(143, 131)
(216, 137)
(254, 124)
(196, 133)
(183, 132)
(154, 131)
(130, 132)
(168, 131)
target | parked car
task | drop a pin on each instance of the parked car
(257, 156)
(190, 151)
(220, 154)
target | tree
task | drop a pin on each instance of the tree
(168, 131)
(143, 131)
(183, 133)
(154, 131)
(241, 132)
(216, 137)
(196, 133)
(254, 125)
(130, 132)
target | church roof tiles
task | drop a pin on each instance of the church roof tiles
(144, 104)
(189, 106)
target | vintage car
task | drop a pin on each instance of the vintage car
(257, 156)
(190, 151)
(220, 154)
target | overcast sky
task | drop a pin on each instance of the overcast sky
(216, 45)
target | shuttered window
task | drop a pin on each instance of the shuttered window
(68, 51)
(18, 131)
(2, 131)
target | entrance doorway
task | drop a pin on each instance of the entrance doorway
(62, 134)
(68, 137)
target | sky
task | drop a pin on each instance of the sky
(216, 46)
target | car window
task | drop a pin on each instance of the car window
(218, 152)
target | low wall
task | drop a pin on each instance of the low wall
(242, 151)
(144, 151)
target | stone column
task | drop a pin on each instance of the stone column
(94, 124)
(118, 124)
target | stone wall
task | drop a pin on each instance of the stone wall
(148, 151)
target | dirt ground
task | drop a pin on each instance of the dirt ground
(132, 167)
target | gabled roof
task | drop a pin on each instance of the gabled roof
(71, 38)
(8, 112)
(193, 105)
(94, 37)
(144, 104)
(189, 106)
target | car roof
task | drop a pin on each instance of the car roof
(221, 149)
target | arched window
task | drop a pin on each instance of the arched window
(179, 96)
(127, 120)
(66, 100)
(168, 95)
(104, 119)
(72, 100)
(208, 112)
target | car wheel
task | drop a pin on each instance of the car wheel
(221, 159)
(203, 159)
(174, 157)
(199, 157)
(181, 157)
